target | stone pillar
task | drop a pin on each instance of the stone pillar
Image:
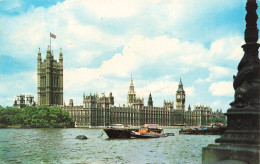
(240, 142)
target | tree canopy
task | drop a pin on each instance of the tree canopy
(41, 116)
(218, 119)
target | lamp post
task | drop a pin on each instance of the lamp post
(241, 140)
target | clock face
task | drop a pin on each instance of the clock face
(178, 96)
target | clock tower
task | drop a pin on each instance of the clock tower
(180, 97)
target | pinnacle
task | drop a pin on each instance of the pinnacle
(180, 82)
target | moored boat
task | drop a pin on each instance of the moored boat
(145, 132)
(153, 127)
(119, 131)
(204, 131)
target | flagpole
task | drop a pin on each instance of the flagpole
(50, 42)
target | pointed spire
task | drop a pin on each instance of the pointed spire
(61, 54)
(180, 83)
(150, 100)
(48, 52)
(39, 55)
(39, 52)
(131, 80)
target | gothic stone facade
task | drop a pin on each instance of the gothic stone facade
(23, 101)
(100, 111)
(49, 79)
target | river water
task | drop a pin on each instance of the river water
(60, 146)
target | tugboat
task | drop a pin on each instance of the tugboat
(145, 132)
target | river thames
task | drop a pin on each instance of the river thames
(60, 146)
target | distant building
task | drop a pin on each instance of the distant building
(49, 79)
(100, 111)
(22, 101)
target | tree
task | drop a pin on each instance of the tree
(41, 116)
(11, 116)
(218, 119)
(44, 116)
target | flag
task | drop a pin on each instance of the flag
(52, 35)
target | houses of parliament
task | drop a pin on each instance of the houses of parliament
(100, 110)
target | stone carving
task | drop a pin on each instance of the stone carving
(247, 81)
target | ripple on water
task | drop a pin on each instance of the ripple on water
(60, 146)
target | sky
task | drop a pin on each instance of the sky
(104, 42)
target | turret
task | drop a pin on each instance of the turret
(48, 53)
(131, 93)
(39, 61)
(150, 101)
(71, 103)
(39, 58)
(61, 57)
(52, 54)
(111, 99)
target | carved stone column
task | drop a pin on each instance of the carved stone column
(241, 140)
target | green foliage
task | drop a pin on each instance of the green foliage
(219, 119)
(42, 116)
(11, 116)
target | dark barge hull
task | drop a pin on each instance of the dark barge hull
(218, 131)
(119, 133)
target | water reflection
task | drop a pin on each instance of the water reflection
(60, 146)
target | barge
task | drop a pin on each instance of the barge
(204, 131)
(119, 131)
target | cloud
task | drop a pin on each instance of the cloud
(104, 42)
(216, 104)
(228, 47)
(223, 88)
(13, 85)
(141, 51)
(217, 72)
(110, 9)
(190, 91)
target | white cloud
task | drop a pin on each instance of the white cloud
(216, 104)
(140, 51)
(217, 72)
(223, 88)
(227, 48)
(190, 91)
(86, 57)
(199, 80)
(131, 36)
(110, 9)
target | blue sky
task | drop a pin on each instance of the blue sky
(104, 42)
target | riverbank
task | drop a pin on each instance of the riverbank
(137, 127)
(2, 126)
